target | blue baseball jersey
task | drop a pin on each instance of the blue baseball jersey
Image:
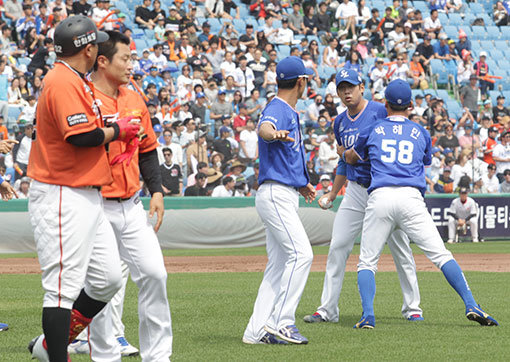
(397, 149)
(279, 161)
(347, 130)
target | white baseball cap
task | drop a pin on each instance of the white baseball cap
(483, 54)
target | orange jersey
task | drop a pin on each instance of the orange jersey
(66, 108)
(126, 179)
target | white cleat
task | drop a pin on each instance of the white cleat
(126, 349)
(78, 346)
(37, 349)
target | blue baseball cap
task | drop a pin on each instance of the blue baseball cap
(447, 151)
(435, 149)
(398, 93)
(224, 129)
(200, 95)
(221, 91)
(291, 68)
(157, 128)
(348, 75)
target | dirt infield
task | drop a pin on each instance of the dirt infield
(257, 263)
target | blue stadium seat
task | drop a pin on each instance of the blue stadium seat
(475, 45)
(506, 93)
(438, 68)
(493, 32)
(455, 19)
(505, 32)
(494, 95)
(492, 64)
(476, 8)
(479, 33)
(284, 50)
(451, 31)
(328, 71)
(443, 18)
(12, 116)
(416, 92)
(24, 61)
(501, 45)
(443, 93)
(418, 5)
(496, 55)
(149, 33)
(487, 45)
(469, 18)
(140, 44)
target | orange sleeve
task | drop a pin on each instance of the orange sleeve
(75, 115)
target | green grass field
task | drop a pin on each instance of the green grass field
(210, 312)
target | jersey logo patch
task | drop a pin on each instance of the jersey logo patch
(77, 118)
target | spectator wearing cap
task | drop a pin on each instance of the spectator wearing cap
(419, 108)
(223, 145)
(449, 141)
(99, 12)
(197, 152)
(324, 186)
(436, 163)
(198, 188)
(468, 139)
(499, 110)
(171, 175)
(489, 144)
(469, 96)
(226, 189)
(170, 49)
(482, 70)
(465, 68)
(244, 77)
(432, 24)
(328, 157)
(501, 155)
(296, 21)
(441, 48)
(199, 107)
(463, 43)
(151, 92)
(145, 62)
(378, 77)
(490, 182)
(201, 167)
(504, 186)
(443, 183)
(205, 36)
(144, 16)
(426, 51)
(248, 144)
(221, 109)
(240, 120)
(417, 73)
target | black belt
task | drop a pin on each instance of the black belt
(118, 199)
(365, 186)
(98, 188)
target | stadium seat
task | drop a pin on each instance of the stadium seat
(487, 45)
(140, 44)
(496, 55)
(501, 45)
(417, 92)
(494, 95)
(443, 18)
(455, 19)
(479, 33)
(506, 93)
(505, 32)
(451, 31)
(443, 93)
(492, 64)
(438, 69)
(476, 9)
(12, 116)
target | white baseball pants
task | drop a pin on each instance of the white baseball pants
(346, 228)
(289, 256)
(75, 244)
(452, 225)
(389, 208)
(139, 249)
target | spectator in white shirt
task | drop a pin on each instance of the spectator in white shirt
(490, 181)
(432, 24)
(346, 15)
(227, 67)
(378, 77)
(157, 58)
(21, 151)
(397, 40)
(501, 154)
(399, 70)
(285, 35)
(330, 56)
(226, 189)
(328, 157)
(244, 77)
(248, 142)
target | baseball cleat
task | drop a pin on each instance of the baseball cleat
(78, 346)
(289, 333)
(268, 338)
(314, 318)
(367, 322)
(126, 349)
(37, 349)
(4, 327)
(415, 318)
(449, 241)
(476, 314)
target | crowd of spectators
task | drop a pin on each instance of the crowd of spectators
(205, 83)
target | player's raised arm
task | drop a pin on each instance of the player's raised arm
(269, 133)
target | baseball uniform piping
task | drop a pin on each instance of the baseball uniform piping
(295, 260)
(61, 247)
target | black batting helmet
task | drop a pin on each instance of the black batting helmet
(74, 33)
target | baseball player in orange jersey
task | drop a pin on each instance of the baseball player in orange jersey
(75, 242)
(138, 245)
